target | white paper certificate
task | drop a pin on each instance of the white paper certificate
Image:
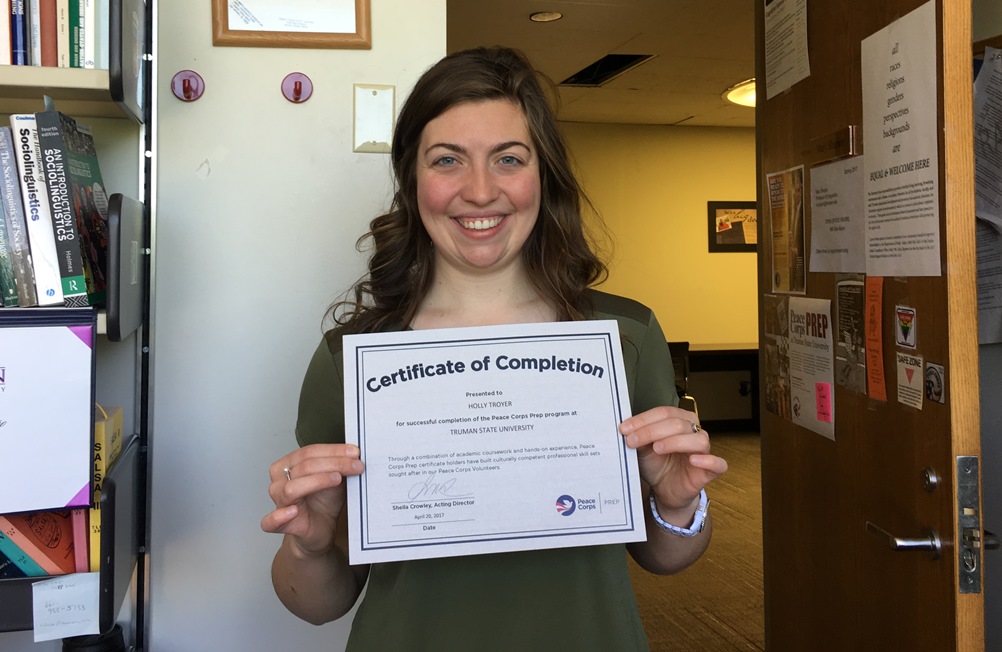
(490, 439)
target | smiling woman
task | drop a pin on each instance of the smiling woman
(478, 187)
(486, 229)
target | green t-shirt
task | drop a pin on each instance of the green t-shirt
(548, 600)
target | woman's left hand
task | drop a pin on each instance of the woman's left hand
(674, 455)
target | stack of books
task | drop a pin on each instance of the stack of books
(56, 33)
(58, 542)
(54, 231)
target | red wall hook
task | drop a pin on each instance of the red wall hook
(297, 87)
(187, 85)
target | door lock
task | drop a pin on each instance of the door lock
(971, 543)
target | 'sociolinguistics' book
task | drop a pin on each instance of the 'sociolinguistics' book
(44, 260)
(17, 228)
(79, 206)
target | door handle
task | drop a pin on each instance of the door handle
(930, 542)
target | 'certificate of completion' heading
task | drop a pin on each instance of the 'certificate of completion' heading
(492, 439)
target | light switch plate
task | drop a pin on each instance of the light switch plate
(374, 115)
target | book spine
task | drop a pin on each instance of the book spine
(48, 33)
(9, 570)
(64, 226)
(107, 446)
(76, 27)
(18, 33)
(63, 33)
(102, 36)
(8, 287)
(17, 228)
(81, 538)
(36, 207)
(25, 564)
(34, 32)
(90, 204)
(87, 33)
(46, 537)
(5, 54)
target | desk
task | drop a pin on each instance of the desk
(739, 357)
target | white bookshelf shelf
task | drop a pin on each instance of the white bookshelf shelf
(77, 91)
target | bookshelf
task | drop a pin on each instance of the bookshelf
(77, 92)
(116, 106)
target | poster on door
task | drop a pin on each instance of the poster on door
(786, 53)
(786, 223)
(900, 138)
(812, 376)
(850, 347)
(776, 354)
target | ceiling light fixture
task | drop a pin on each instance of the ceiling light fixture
(742, 94)
(545, 16)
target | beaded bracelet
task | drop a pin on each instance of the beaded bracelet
(697, 521)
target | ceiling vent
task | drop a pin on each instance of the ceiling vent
(605, 69)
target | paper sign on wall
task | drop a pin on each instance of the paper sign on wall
(911, 382)
(811, 365)
(68, 605)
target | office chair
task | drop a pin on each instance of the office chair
(680, 362)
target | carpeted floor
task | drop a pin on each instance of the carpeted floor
(716, 604)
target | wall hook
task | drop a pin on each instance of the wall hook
(187, 86)
(297, 87)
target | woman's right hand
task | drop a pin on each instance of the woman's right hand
(307, 507)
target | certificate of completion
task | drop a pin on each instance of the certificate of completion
(491, 439)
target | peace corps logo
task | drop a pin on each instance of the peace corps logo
(566, 505)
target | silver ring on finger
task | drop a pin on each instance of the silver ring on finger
(288, 473)
(695, 428)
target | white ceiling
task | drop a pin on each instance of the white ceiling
(702, 47)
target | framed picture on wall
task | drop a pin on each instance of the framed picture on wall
(296, 24)
(733, 226)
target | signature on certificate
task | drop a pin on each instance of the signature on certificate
(431, 487)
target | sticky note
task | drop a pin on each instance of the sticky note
(823, 393)
(66, 605)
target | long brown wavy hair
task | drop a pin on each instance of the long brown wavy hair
(558, 255)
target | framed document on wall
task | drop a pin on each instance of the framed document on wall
(292, 23)
(733, 226)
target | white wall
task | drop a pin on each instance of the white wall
(259, 204)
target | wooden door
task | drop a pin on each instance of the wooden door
(832, 583)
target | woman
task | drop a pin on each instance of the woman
(485, 228)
